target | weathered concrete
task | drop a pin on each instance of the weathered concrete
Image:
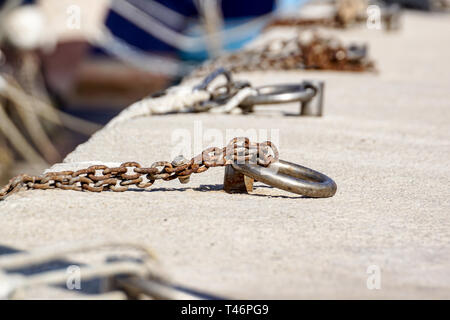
(385, 141)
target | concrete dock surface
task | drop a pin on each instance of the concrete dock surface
(384, 139)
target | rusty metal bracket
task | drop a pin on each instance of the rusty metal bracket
(390, 16)
(282, 175)
(236, 182)
(314, 106)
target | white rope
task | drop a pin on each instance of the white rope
(232, 105)
(212, 20)
(10, 283)
(139, 59)
(13, 284)
(12, 91)
(169, 16)
(10, 131)
(178, 40)
(177, 99)
(42, 255)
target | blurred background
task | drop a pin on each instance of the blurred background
(68, 67)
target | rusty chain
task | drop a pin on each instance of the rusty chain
(331, 22)
(318, 53)
(102, 178)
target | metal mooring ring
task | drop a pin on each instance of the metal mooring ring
(212, 76)
(290, 177)
(280, 94)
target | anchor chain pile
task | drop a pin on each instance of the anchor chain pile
(304, 51)
(102, 178)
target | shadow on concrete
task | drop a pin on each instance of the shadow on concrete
(218, 187)
(93, 286)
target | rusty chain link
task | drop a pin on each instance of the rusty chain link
(102, 178)
(316, 52)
